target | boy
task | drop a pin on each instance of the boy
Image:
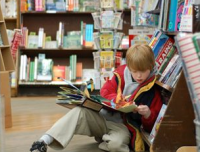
(116, 132)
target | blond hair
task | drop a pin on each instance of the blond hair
(140, 57)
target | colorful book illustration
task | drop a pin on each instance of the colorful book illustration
(140, 36)
(74, 96)
(44, 70)
(58, 71)
(179, 14)
(141, 18)
(107, 19)
(107, 3)
(186, 17)
(106, 39)
(106, 59)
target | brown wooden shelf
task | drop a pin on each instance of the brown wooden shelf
(84, 53)
(164, 86)
(10, 19)
(50, 83)
(54, 12)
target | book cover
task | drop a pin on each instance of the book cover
(140, 36)
(58, 71)
(159, 44)
(179, 14)
(106, 59)
(44, 70)
(157, 123)
(106, 39)
(164, 51)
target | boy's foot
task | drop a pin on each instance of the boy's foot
(39, 146)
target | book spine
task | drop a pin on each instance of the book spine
(167, 59)
(172, 16)
(169, 66)
(179, 14)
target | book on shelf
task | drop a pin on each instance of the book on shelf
(169, 67)
(141, 18)
(158, 43)
(11, 8)
(58, 71)
(33, 41)
(107, 3)
(186, 17)
(196, 18)
(74, 96)
(179, 14)
(157, 123)
(72, 65)
(162, 54)
(172, 15)
(106, 39)
(79, 71)
(140, 36)
(44, 70)
(106, 59)
(107, 19)
(16, 40)
(170, 54)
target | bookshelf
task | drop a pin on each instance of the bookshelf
(49, 21)
(11, 24)
(177, 127)
(6, 66)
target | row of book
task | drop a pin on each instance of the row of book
(107, 19)
(73, 39)
(167, 59)
(42, 69)
(71, 5)
(174, 15)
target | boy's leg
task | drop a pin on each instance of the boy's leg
(117, 139)
(80, 121)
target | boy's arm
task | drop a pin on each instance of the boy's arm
(109, 89)
(155, 108)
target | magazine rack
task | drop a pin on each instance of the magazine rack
(177, 128)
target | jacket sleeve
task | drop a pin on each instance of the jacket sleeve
(109, 89)
(155, 109)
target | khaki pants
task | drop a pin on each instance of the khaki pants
(83, 121)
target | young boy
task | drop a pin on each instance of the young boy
(115, 131)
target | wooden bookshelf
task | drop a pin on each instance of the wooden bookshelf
(13, 23)
(50, 22)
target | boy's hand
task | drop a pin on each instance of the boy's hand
(144, 111)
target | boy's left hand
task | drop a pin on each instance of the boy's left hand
(144, 111)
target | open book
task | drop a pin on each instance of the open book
(72, 96)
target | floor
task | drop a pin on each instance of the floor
(31, 117)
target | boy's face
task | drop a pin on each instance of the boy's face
(140, 76)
